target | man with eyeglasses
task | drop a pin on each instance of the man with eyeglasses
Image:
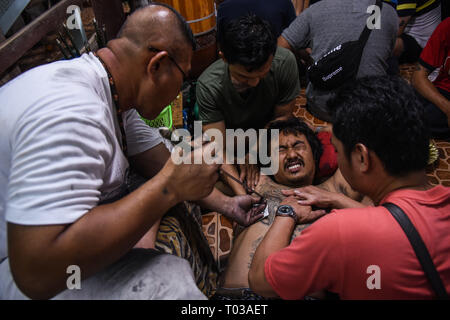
(70, 134)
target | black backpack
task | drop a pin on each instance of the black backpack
(341, 64)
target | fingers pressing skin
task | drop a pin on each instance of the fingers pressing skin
(288, 193)
(250, 174)
(305, 198)
(310, 196)
(254, 175)
(317, 214)
(252, 181)
(256, 199)
(305, 214)
(258, 175)
(243, 174)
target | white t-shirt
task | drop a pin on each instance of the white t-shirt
(60, 144)
(421, 27)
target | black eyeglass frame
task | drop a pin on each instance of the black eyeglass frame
(153, 49)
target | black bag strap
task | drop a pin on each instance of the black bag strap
(366, 32)
(420, 249)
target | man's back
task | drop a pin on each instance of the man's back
(329, 23)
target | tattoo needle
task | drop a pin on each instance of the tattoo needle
(242, 184)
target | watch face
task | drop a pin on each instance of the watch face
(285, 209)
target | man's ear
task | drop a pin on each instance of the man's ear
(154, 65)
(361, 157)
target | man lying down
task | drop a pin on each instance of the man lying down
(299, 154)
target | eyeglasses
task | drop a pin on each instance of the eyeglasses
(153, 49)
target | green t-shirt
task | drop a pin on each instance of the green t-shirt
(218, 100)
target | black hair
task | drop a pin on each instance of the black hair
(248, 41)
(385, 115)
(296, 126)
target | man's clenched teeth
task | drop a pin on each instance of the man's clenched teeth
(294, 166)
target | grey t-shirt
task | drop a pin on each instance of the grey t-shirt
(329, 23)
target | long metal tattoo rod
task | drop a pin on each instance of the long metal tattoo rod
(205, 141)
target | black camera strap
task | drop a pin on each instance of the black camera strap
(420, 249)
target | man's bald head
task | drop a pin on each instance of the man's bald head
(157, 23)
(153, 43)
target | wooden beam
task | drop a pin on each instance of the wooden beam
(13, 48)
(110, 14)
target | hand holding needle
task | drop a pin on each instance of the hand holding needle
(242, 184)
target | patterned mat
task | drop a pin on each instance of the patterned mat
(218, 231)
